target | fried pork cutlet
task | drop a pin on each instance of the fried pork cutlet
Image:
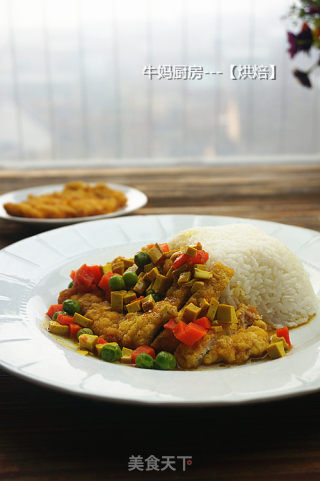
(214, 287)
(86, 300)
(138, 329)
(221, 276)
(190, 357)
(106, 321)
(239, 347)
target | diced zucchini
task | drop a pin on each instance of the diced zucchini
(190, 312)
(276, 350)
(82, 320)
(88, 341)
(201, 274)
(226, 314)
(134, 306)
(117, 300)
(151, 275)
(191, 251)
(155, 253)
(106, 268)
(276, 339)
(204, 304)
(130, 296)
(126, 355)
(159, 284)
(148, 303)
(141, 284)
(202, 267)
(184, 277)
(213, 306)
(57, 328)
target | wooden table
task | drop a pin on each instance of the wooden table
(50, 436)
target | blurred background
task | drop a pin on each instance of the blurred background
(73, 89)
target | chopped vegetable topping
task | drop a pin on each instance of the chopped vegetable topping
(142, 349)
(74, 329)
(111, 352)
(142, 259)
(53, 309)
(85, 330)
(189, 333)
(64, 319)
(144, 361)
(165, 360)
(56, 314)
(71, 306)
(87, 278)
(130, 279)
(116, 283)
(284, 332)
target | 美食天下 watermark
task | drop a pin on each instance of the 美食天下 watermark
(195, 72)
(152, 463)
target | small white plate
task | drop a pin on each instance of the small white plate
(33, 271)
(136, 199)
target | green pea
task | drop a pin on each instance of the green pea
(144, 361)
(56, 314)
(116, 283)
(142, 259)
(71, 306)
(111, 352)
(165, 360)
(85, 330)
(155, 295)
(130, 279)
(70, 285)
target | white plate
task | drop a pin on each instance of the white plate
(33, 271)
(136, 199)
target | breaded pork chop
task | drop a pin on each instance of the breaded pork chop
(137, 329)
(86, 300)
(190, 357)
(239, 347)
(221, 276)
(106, 322)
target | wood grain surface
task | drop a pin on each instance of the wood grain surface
(51, 436)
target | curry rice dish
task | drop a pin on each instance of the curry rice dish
(166, 308)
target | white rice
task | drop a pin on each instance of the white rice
(267, 274)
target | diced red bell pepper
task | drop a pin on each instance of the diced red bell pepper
(140, 350)
(53, 309)
(72, 274)
(181, 259)
(101, 341)
(64, 319)
(201, 257)
(164, 247)
(284, 332)
(150, 246)
(204, 322)
(171, 324)
(73, 329)
(179, 329)
(190, 333)
(87, 278)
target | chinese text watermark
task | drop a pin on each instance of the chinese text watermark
(196, 72)
(152, 463)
